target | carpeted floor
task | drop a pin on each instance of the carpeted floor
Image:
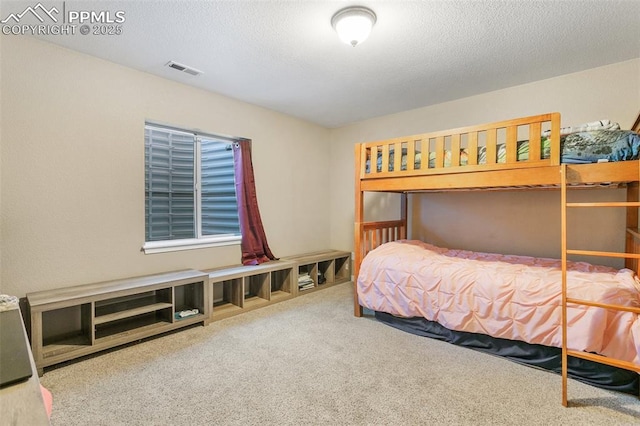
(308, 361)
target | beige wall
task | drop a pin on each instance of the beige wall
(72, 182)
(72, 172)
(508, 222)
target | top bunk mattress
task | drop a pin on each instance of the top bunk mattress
(509, 297)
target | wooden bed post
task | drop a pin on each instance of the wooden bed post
(563, 243)
(358, 219)
(403, 215)
(631, 242)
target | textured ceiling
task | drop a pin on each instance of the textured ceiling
(285, 56)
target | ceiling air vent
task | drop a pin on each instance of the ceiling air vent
(183, 68)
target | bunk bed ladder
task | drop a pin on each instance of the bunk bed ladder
(631, 256)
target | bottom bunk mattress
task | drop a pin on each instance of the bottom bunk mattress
(507, 297)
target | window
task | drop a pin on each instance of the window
(190, 198)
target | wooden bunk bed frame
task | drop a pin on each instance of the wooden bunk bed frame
(395, 176)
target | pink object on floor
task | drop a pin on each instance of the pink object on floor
(48, 400)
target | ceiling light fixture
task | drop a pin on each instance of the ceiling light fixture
(353, 24)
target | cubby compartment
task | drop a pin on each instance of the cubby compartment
(342, 269)
(227, 297)
(256, 289)
(281, 284)
(189, 301)
(325, 272)
(307, 276)
(66, 329)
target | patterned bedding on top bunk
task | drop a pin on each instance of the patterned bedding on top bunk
(509, 297)
(589, 143)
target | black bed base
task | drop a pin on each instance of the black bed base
(548, 358)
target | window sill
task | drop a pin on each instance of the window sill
(152, 247)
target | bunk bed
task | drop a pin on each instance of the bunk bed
(582, 306)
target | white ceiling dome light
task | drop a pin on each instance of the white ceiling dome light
(353, 24)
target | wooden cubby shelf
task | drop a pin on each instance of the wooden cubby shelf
(238, 289)
(324, 268)
(71, 322)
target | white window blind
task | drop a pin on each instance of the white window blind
(218, 192)
(189, 186)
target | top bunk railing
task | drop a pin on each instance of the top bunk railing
(495, 146)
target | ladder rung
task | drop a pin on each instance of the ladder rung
(605, 254)
(604, 305)
(605, 360)
(606, 204)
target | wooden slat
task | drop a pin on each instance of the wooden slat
(617, 171)
(491, 146)
(367, 226)
(534, 141)
(397, 156)
(604, 254)
(555, 139)
(87, 317)
(362, 153)
(604, 305)
(606, 204)
(605, 360)
(411, 154)
(385, 159)
(439, 152)
(102, 319)
(455, 150)
(422, 146)
(472, 149)
(511, 145)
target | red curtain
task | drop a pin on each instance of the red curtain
(255, 249)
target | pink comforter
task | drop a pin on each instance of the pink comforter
(510, 297)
